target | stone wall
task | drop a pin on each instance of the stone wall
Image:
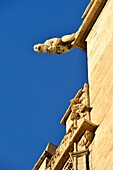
(100, 74)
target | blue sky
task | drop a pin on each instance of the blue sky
(35, 89)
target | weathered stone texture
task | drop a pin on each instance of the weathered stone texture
(101, 156)
(100, 73)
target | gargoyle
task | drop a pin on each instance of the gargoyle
(57, 45)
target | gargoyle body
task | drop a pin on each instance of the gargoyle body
(57, 45)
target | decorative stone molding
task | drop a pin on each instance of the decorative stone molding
(78, 154)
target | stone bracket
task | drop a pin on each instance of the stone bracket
(85, 125)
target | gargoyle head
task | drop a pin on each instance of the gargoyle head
(40, 48)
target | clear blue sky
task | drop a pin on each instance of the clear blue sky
(35, 89)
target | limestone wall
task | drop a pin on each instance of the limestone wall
(100, 74)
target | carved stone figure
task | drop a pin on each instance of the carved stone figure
(80, 106)
(57, 45)
(86, 139)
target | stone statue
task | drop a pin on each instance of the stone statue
(57, 45)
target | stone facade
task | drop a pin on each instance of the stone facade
(88, 142)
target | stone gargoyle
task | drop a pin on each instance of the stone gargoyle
(57, 45)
